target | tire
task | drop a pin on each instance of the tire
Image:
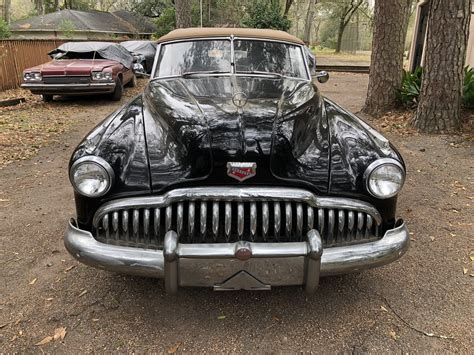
(118, 91)
(47, 98)
(132, 83)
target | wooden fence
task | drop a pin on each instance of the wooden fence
(17, 55)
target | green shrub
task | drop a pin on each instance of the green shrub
(468, 88)
(4, 29)
(166, 22)
(409, 93)
(410, 90)
(266, 14)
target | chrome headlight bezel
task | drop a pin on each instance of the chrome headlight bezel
(101, 76)
(377, 164)
(102, 164)
(32, 76)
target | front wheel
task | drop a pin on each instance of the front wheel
(118, 91)
(47, 98)
(132, 83)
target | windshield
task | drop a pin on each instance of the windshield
(77, 55)
(214, 56)
(196, 56)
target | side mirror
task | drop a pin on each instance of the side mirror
(322, 76)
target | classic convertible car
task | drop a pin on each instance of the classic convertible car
(231, 171)
(82, 68)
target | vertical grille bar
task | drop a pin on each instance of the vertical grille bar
(277, 213)
(115, 223)
(203, 218)
(215, 219)
(368, 227)
(125, 224)
(191, 217)
(105, 225)
(135, 225)
(156, 222)
(321, 221)
(146, 224)
(288, 219)
(179, 219)
(299, 220)
(331, 222)
(265, 220)
(253, 220)
(228, 220)
(341, 222)
(168, 217)
(350, 225)
(360, 224)
(240, 219)
(310, 218)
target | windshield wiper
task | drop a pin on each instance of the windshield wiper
(191, 74)
(264, 73)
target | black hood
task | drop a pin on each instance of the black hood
(194, 127)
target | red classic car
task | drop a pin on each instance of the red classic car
(82, 68)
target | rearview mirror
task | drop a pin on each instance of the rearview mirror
(322, 76)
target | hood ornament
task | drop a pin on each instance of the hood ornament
(239, 99)
(241, 171)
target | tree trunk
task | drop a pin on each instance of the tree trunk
(309, 21)
(439, 109)
(183, 13)
(6, 10)
(386, 67)
(340, 32)
(288, 4)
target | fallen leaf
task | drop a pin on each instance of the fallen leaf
(32, 282)
(82, 293)
(4, 200)
(465, 270)
(174, 348)
(393, 335)
(95, 319)
(221, 317)
(49, 299)
(45, 341)
(432, 239)
(383, 309)
(59, 333)
(70, 268)
(471, 257)
(4, 325)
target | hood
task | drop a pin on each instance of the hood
(194, 127)
(72, 66)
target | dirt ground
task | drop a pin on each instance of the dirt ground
(421, 303)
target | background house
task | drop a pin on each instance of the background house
(417, 52)
(83, 25)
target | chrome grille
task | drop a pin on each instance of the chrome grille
(215, 215)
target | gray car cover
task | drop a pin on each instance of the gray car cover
(106, 50)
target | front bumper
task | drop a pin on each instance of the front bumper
(69, 89)
(241, 265)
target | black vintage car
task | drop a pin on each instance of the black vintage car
(231, 171)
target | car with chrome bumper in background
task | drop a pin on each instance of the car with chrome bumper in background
(232, 171)
(82, 68)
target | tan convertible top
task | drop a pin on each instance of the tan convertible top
(203, 32)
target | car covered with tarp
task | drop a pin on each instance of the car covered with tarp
(143, 53)
(82, 68)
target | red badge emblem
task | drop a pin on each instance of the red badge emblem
(241, 171)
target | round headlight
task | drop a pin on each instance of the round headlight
(384, 178)
(91, 176)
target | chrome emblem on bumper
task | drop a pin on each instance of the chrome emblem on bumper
(241, 171)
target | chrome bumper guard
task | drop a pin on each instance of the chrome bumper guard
(241, 265)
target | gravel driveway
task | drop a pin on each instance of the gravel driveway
(421, 303)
